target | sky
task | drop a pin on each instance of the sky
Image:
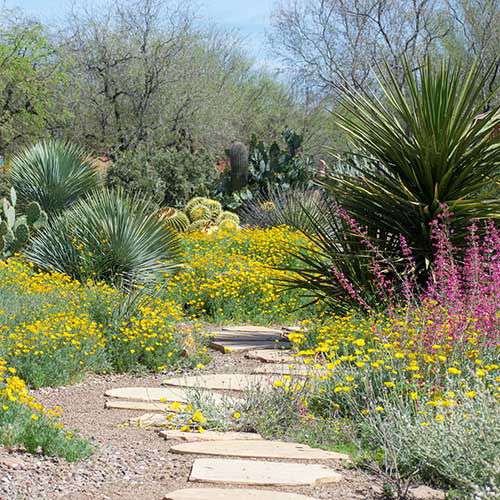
(249, 17)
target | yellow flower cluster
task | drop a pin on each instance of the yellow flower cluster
(234, 275)
(383, 357)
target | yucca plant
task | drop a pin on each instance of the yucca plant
(110, 236)
(418, 150)
(53, 173)
(424, 149)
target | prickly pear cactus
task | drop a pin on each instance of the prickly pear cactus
(15, 230)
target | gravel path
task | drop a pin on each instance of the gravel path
(130, 463)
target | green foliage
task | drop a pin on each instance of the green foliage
(174, 219)
(276, 166)
(238, 157)
(110, 236)
(28, 77)
(424, 148)
(135, 172)
(55, 174)
(19, 428)
(14, 230)
(168, 177)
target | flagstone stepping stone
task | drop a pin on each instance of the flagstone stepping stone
(231, 494)
(150, 420)
(119, 404)
(223, 381)
(227, 346)
(148, 394)
(250, 328)
(272, 356)
(288, 369)
(256, 473)
(245, 337)
(257, 449)
(209, 435)
(162, 394)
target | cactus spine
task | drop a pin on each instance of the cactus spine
(15, 231)
(174, 219)
(238, 156)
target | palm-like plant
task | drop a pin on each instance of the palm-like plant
(53, 173)
(425, 148)
(110, 236)
(417, 149)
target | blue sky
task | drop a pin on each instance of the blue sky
(250, 17)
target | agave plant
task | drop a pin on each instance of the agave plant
(53, 173)
(110, 236)
(424, 149)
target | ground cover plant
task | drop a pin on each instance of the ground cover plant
(55, 329)
(233, 276)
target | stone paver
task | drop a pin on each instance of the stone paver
(257, 449)
(251, 329)
(289, 369)
(223, 381)
(162, 394)
(150, 420)
(148, 394)
(272, 356)
(256, 473)
(249, 345)
(210, 436)
(120, 404)
(232, 494)
(245, 337)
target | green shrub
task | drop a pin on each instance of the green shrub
(55, 174)
(110, 236)
(167, 177)
(20, 426)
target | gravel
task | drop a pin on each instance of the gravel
(130, 462)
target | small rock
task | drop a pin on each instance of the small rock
(11, 462)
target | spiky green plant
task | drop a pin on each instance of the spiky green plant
(199, 212)
(228, 216)
(198, 200)
(110, 236)
(238, 157)
(199, 225)
(423, 148)
(215, 208)
(228, 225)
(55, 174)
(15, 230)
(174, 219)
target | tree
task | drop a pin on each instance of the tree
(27, 76)
(476, 34)
(332, 43)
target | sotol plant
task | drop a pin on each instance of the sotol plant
(15, 230)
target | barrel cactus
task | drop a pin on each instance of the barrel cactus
(198, 200)
(199, 225)
(199, 212)
(228, 216)
(174, 219)
(228, 225)
(238, 157)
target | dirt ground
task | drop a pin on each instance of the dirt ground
(130, 463)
